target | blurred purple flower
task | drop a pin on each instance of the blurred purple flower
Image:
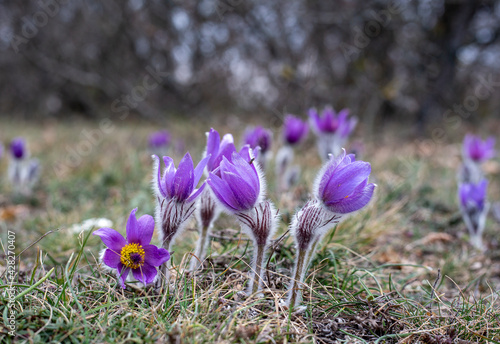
(159, 139)
(342, 184)
(135, 252)
(258, 137)
(473, 196)
(474, 209)
(331, 122)
(294, 129)
(478, 150)
(18, 148)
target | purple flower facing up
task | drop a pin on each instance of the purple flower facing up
(218, 149)
(237, 183)
(342, 184)
(207, 209)
(258, 137)
(294, 129)
(18, 148)
(332, 130)
(238, 186)
(176, 194)
(474, 209)
(159, 139)
(133, 254)
(477, 150)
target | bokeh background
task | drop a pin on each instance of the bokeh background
(419, 62)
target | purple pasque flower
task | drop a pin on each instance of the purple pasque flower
(159, 139)
(259, 137)
(474, 209)
(134, 253)
(239, 187)
(237, 183)
(473, 196)
(342, 184)
(294, 129)
(176, 194)
(207, 209)
(179, 184)
(332, 130)
(478, 150)
(218, 149)
(18, 148)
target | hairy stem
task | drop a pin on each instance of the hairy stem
(295, 292)
(256, 280)
(201, 249)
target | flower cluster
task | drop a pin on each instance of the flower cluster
(332, 130)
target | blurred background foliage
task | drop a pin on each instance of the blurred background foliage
(408, 60)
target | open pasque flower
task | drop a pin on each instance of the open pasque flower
(135, 253)
(294, 129)
(477, 150)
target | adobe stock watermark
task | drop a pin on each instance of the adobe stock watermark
(371, 29)
(31, 24)
(90, 139)
(453, 118)
(10, 291)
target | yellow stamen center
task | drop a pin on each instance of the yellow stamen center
(132, 256)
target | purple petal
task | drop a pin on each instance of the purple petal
(198, 171)
(123, 272)
(226, 151)
(111, 238)
(133, 234)
(213, 143)
(345, 180)
(146, 229)
(184, 177)
(168, 176)
(244, 194)
(222, 191)
(328, 171)
(160, 182)
(111, 258)
(155, 256)
(241, 167)
(146, 273)
(196, 192)
(354, 202)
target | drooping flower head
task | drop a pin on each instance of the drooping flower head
(478, 150)
(133, 253)
(258, 137)
(473, 196)
(331, 122)
(294, 129)
(237, 182)
(342, 184)
(18, 148)
(218, 149)
(159, 139)
(179, 184)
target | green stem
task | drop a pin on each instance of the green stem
(295, 285)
